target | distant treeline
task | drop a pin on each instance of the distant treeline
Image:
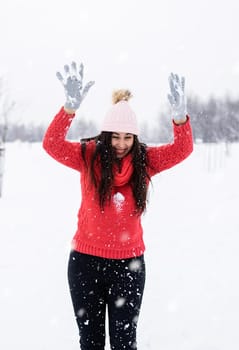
(213, 120)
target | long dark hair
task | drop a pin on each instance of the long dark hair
(104, 154)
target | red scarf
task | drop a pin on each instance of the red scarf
(122, 173)
(122, 176)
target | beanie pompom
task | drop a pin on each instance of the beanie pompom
(121, 95)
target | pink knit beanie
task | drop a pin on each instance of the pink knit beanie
(121, 118)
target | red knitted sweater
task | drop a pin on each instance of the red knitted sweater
(116, 232)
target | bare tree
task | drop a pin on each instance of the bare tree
(6, 107)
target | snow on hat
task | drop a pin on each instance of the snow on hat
(120, 117)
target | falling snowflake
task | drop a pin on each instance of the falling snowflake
(126, 326)
(120, 302)
(135, 265)
(125, 236)
(81, 312)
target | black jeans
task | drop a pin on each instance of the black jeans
(96, 282)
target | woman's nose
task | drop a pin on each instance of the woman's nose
(121, 144)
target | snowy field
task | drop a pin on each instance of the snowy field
(191, 230)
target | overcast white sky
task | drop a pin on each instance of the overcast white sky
(128, 43)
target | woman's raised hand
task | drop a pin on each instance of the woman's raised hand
(72, 81)
(177, 98)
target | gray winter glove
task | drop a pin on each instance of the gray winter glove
(177, 98)
(72, 83)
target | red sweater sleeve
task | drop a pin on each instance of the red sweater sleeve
(166, 156)
(56, 145)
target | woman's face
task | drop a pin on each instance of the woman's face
(122, 143)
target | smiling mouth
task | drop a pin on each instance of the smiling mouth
(121, 151)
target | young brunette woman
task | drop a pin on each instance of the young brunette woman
(106, 263)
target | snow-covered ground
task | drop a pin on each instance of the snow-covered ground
(191, 227)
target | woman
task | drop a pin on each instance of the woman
(106, 263)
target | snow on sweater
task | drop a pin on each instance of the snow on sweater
(116, 231)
